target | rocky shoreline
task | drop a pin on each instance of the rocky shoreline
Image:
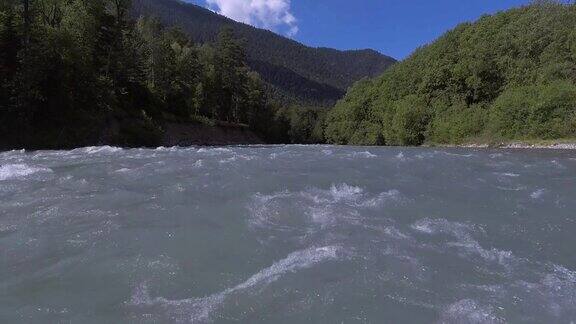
(555, 146)
(517, 146)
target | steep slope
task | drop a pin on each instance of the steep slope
(314, 75)
(510, 76)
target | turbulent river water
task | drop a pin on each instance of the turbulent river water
(287, 234)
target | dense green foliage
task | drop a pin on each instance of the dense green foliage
(300, 125)
(505, 77)
(296, 73)
(81, 72)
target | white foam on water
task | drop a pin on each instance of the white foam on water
(557, 164)
(280, 154)
(198, 310)
(469, 311)
(264, 210)
(365, 154)
(214, 150)
(21, 151)
(464, 240)
(426, 155)
(550, 288)
(6, 228)
(538, 194)
(228, 160)
(508, 174)
(559, 288)
(344, 192)
(497, 291)
(179, 187)
(237, 157)
(350, 195)
(391, 231)
(504, 258)
(400, 156)
(97, 150)
(15, 171)
(435, 226)
(458, 155)
(313, 209)
(554, 293)
(519, 188)
(169, 149)
(382, 198)
(433, 154)
(321, 216)
(293, 262)
(12, 155)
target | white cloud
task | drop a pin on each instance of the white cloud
(270, 14)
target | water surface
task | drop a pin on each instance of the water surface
(287, 234)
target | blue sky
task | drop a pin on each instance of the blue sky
(393, 27)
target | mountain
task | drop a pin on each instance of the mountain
(310, 75)
(509, 76)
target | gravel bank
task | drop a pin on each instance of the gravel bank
(553, 146)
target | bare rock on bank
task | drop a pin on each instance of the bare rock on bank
(554, 146)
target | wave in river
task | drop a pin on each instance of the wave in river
(323, 207)
(196, 310)
(15, 171)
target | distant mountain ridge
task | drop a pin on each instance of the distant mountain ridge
(295, 71)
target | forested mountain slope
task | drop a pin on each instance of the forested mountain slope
(508, 76)
(311, 75)
(83, 72)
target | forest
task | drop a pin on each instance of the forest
(84, 72)
(293, 72)
(92, 72)
(509, 76)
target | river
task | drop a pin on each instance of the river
(287, 234)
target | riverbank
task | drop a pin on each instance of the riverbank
(553, 146)
(129, 132)
(563, 144)
(188, 134)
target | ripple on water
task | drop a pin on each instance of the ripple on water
(469, 311)
(362, 155)
(114, 209)
(237, 157)
(201, 309)
(537, 288)
(538, 194)
(401, 157)
(465, 242)
(98, 150)
(324, 207)
(214, 150)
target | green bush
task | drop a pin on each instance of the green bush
(540, 111)
(410, 122)
(457, 124)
